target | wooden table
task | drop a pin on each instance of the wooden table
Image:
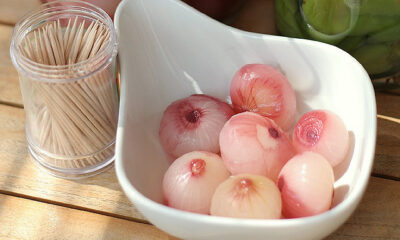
(35, 205)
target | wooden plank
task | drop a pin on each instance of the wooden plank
(388, 104)
(377, 216)
(387, 153)
(12, 11)
(26, 219)
(9, 83)
(102, 193)
(20, 175)
(387, 161)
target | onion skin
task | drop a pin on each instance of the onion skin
(323, 132)
(264, 90)
(193, 124)
(254, 144)
(306, 185)
(247, 196)
(189, 183)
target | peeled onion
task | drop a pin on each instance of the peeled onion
(306, 184)
(193, 124)
(247, 196)
(264, 90)
(191, 180)
(323, 132)
(254, 144)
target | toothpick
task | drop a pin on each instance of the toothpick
(53, 43)
(38, 51)
(76, 118)
(76, 44)
(47, 45)
(71, 37)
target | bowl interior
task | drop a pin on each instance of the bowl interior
(167, 55)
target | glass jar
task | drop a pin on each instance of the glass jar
(367, 29)
(71, 107)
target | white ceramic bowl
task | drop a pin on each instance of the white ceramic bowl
(169, 50)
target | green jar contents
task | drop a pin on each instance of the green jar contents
(367, 29)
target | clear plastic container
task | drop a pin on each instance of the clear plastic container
(71, 110)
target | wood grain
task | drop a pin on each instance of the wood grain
(27, 219)
(102, 193)
(12, 11)
(20, 175)
(387, 161)
(60, 215)
(387, 153)
(388, 104)
(377, 216)
(9, 83)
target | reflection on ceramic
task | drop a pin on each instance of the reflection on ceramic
(169, 51)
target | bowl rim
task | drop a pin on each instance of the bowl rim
(348, 204)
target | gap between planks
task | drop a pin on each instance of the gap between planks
(387, 177)
(66, 205)
(12, 104)
(11, 24)
(26, 219)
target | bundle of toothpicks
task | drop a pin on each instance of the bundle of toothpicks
(72, 119)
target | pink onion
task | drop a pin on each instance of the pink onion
(191, 180)
(261, 89)
(323, 132)
(247, 196)
(192, 124)
(306, 184)
(254, 144)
